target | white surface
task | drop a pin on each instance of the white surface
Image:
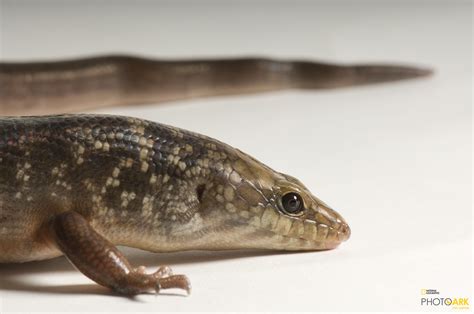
(394, 159)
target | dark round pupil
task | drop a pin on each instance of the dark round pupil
(292, 203)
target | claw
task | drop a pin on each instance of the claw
(140, 269)
(174, 281)
(163, 271)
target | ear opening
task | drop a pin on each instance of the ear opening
(200, 191)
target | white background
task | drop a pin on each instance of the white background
(394, 159)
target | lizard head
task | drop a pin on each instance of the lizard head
(270, 210)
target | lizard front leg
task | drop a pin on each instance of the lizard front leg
(101, 261)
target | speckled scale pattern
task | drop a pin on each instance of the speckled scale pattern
(110, 169)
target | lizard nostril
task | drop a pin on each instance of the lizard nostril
(344, 232)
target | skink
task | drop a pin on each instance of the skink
(78, 185)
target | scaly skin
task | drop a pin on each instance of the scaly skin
(145, 185)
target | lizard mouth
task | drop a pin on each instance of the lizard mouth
(324, 237)
(306, 235)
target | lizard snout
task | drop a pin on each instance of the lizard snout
(344, 232)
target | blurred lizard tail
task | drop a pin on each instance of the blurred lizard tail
(336, 76)
(90, 83)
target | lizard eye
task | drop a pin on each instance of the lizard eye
(292, 203)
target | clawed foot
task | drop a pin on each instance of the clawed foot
(164, 279)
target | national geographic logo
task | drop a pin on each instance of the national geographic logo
(432, 297)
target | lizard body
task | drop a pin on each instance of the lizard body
(80, 184)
